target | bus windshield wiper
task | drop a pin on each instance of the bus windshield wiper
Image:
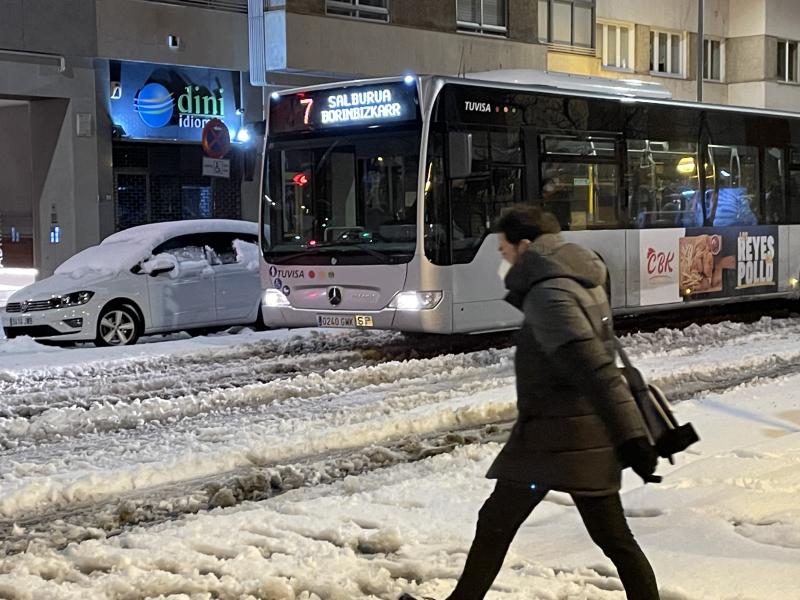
(322, 248)
(386, 258)
(279, 260)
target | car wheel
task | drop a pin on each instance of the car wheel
(118, 326)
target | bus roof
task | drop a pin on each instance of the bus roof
(598, 93)
(529, 80)
(632, 88)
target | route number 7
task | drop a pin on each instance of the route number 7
(308, 103)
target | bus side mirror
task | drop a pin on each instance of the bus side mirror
(459, 151)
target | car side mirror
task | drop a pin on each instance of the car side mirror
(161, 270)
(158, 265)
(459, 154)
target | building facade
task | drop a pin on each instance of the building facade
(750, 46)
(297, 41)
(84, 154)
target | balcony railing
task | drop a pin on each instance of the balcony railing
(237, 6)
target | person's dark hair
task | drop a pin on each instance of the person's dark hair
(524, 222)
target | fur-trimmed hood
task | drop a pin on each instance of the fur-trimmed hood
(550, 257)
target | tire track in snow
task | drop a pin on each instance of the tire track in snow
(396, 387)
(30, 393)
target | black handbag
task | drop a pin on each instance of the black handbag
(666, 434)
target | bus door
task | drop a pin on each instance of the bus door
(580, 180)
(793, 203)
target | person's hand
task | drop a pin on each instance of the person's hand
(639, 454)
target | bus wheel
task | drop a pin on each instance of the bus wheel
(259, 325)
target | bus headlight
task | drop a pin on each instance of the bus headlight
(275, 299)
(416, 300)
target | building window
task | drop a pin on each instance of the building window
(482, 16)
(666, 53)
(567, 22)
(787, 61)
(370, 10)
(615, 45)
(712, 60)
(236, 6)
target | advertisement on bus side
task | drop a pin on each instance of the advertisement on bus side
(706, 263)
(658, 266)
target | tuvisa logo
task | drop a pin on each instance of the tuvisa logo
(155, 105)
(275, 272)
(483, 107)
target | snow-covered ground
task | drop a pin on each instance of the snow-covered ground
(349, 475)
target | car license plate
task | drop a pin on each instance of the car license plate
(344, 321)
(18, 321)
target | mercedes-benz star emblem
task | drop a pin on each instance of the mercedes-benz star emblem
(335, 296)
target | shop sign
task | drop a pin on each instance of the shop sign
(173, 103)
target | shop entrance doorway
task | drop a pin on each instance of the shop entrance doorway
(16, 198)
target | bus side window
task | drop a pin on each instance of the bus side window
(663, 184)
(580, 181)
(732, 178)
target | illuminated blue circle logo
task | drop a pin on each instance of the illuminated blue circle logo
(154, 104)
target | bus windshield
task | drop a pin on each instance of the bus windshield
(352, 196)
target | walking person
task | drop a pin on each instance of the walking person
(577, 425)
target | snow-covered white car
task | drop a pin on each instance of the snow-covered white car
(156, 278)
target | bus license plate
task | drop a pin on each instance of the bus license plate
(17, 321)
(344, 321)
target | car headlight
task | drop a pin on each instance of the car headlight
(73, 299)
(416, 300)
(275, 299)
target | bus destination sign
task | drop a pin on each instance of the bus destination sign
(367, 105)
(353, 106)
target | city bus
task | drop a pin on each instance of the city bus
(378, 197)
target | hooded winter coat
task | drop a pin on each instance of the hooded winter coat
(574, 407)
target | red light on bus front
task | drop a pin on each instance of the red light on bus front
(300, 179)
